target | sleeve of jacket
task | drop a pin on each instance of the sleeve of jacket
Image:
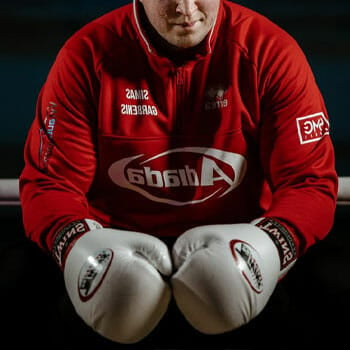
(60, 150)
(296, 148)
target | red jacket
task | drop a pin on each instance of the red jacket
(125, 136)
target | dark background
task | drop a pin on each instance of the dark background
(32, 32)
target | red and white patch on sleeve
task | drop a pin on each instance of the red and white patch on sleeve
(312, 127)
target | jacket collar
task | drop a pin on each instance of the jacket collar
(209, 41)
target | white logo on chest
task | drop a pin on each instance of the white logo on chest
(200, 174)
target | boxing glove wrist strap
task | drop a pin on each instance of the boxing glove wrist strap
(67, 235)
(283, 239)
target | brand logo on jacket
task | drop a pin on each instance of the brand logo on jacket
(47, 135)
(215, 99)
(181, 176)
(312, 127)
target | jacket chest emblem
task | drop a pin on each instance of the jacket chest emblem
(215, 98)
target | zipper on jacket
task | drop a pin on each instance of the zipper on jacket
(179, 104)
(179, 77)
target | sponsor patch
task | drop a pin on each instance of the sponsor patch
(249, 262)
(50, 119)
(93, 272)
(45, 151)
(47, 135)
(282, 239)
(312, 127)
(142, 105)
(198, 174)
(215, 98)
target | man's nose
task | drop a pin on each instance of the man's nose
(186, 7)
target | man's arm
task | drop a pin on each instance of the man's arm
(296, 148)
(60, 153)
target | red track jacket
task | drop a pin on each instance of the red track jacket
(125, 136)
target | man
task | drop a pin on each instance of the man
(180, 152)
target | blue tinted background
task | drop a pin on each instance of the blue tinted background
(32, 31)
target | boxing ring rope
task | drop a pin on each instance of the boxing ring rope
(344, 191)
(9, 192)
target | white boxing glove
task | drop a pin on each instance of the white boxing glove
(227, 273)
(114, 278)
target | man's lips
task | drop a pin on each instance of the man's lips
(186, 22)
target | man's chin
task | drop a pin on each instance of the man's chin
(185, 42)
